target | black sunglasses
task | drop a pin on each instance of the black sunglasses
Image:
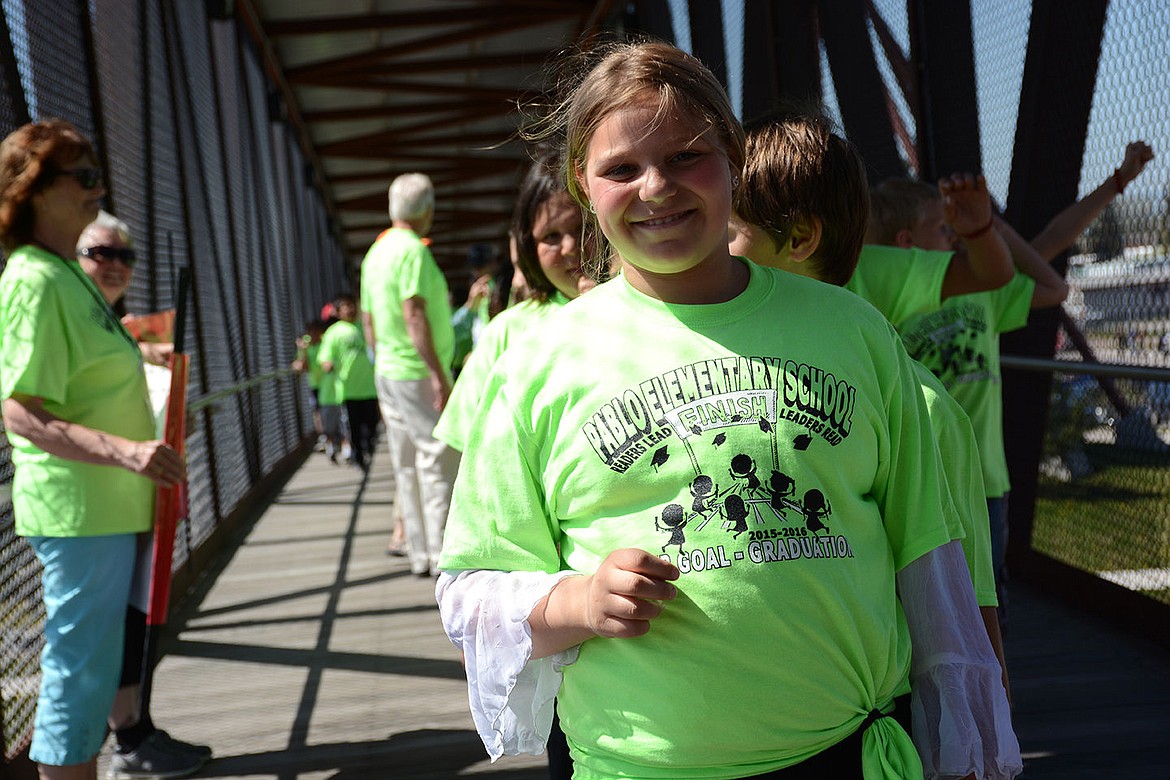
(88, 178)
(107, 254)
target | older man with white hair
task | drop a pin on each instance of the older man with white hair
(407, 318)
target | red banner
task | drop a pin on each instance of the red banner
(170, 503)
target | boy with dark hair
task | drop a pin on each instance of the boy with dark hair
(802, 207)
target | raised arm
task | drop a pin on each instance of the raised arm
(1063, 229)
(985, 263)
(1051, 288)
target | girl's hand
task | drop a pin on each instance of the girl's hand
(626, 591)
(480, 289)
(1137, 154)
(157, 353)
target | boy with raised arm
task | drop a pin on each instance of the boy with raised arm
(959, 342)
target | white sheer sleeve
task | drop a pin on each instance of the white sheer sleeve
(961, 716)
(485, 614)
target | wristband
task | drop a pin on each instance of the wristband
(1117, 181)
(979, 232)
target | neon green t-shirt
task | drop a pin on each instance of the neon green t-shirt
(313, 365)
(959, 455)
(959, 343)
(327, 392)
(776, 447)
(900, 282)
(459, 414)
(397, 267)
(461, 321)
(344, 346)
(59, 341)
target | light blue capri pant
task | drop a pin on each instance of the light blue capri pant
(86, 588)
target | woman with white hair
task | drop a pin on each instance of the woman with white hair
(106, 254)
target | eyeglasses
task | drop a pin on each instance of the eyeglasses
(108, 254)
(88, 178)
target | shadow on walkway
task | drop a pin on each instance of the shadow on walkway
(308, 653)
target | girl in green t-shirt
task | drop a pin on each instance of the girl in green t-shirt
(546, 228)
(694, 380)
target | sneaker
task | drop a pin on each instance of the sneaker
(151, 759)
(179, 747)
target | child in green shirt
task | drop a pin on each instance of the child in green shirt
(663, 535)
(307, 363)
(959, 339)
(547, 224)
(343, 355)
(803, 208)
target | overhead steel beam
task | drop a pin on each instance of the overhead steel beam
(374, 74)
(650, 17)
(707, 36)
(947, 113)
(782, 52)
(1056, 98)
(386, 54)
(860, 90)
(411, 109)
(566, 9)
(462, 141)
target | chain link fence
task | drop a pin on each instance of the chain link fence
(1104, 497)
(1103, 483)
(207, 176)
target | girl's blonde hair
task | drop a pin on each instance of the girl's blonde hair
(617, 75)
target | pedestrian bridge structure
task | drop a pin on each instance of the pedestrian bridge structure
(251, 142)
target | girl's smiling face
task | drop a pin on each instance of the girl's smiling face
(556, 230)
(661, 189)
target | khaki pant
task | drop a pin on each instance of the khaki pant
(424, 467)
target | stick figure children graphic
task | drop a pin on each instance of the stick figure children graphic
(780, 485)
(736, 511)
(674, 519)
(703, 488)
(743, 471)
(816, 509)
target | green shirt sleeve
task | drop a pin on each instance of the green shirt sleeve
(508, 528)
